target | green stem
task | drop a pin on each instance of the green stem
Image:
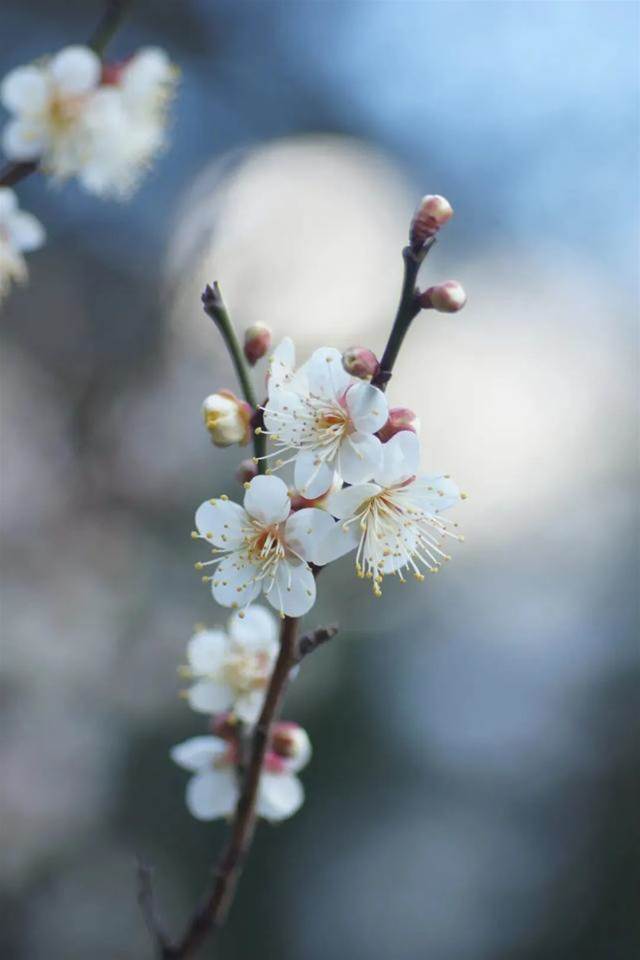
(215, 308)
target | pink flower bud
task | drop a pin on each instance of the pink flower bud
(224, 725)
(246, 471)
(400, 418)
(360, 362)
(227, 418)
(446, 297)
(432, 213)
(257, 342)
(112, 72)
(290, 741)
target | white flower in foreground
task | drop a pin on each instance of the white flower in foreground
(262, 547)
(324, 418)
(213, 790)
(394, 523)
(20, 232)
(49, 101)
(231, 670)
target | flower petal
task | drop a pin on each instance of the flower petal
(212, 793)
(222, 522)
(400, 459)
(75, 70)
(210, 696)
(24, 139)
(267, 500)
(24, 90)
(8, 203)
(282, 413)
(312, 476)
(247, 707)
(305, 529)
(280, 795)
(325, 374)
(234, 582)
(435, 492)
(293, 591)
(345, 503)
(281, 364)
(206, 651)
(197, 752)
(336, 543)
(257, 627)
(367, 407)
(359, 457)
(25, 231)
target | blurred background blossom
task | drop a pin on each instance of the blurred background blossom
(475, 781)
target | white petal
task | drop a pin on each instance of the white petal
(224, 520)
(337, 542)
(305, 529)
(144, 75)
(435, 493)
(24, 90)
(197, 752)
(281, 364)
(280, 795)
(212, 793)
(206, 651)
(24, 139)
(234, 582)
(303, 752)
(256, 626)
(367, 407)
(267, 500)
(25, 231)
(312, 477)
(280, 413)
(247, 707)
(210, 696)
(359, 457)
(345, 503)
(75, 70)
(326, 376)
(294, 590)
(8, 203)
(400, 459)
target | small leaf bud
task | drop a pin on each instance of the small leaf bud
(360, 362)
(257, 342)
(432, 213)
(400, 418)
(446, 297)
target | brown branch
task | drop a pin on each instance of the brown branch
(147, 904)
(111, 19)
(311, 641)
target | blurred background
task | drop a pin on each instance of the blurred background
(474, 788)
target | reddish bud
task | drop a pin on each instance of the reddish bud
(224, 725)
(246, 471)
(112, 72)
(257, 342)
(446, 297)
(360, 362)
(400, 418)
(290, 741)
(432, 213)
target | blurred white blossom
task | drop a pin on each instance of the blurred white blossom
(20, 233)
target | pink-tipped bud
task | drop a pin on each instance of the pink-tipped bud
(112, 72)
(400, 418)
(432, 213)
(290, 741)
(257, 342)
(227, 418)
(360, 362)
(446, 297)
(224, 725)
(246, 471)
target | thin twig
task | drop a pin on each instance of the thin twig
(110, 21)
(311, 641)
(214, 307)
(147, 904)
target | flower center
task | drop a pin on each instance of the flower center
(247, 671)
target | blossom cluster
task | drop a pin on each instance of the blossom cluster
(76, 116)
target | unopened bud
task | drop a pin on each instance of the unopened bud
(112, 72)
(227, 418)
(432, 213)
(290, 741)
(446, 297)
(257, 342)
(224, 725)
(360, 362)
(400, 418)
(246, 471)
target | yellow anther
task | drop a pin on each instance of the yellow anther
(464, 496)
(246, 484)
(223, 496)
(195, 535)
(198, 565)
(184, 671)
(258, 431)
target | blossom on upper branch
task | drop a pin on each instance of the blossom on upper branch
(77, 119)
(214, 789)
(324, 418)
(20, 232)
(262, 547)
(231, 670)
(393, 523)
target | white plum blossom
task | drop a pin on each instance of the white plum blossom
(231, 670)
(323, 418)
(227, 418)
(20, 233)
(213, 789)
(394, 523)
(262, 547)
(77, 118)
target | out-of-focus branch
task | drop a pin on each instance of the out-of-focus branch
(214, 307)
(114, 13)
(311, 641)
